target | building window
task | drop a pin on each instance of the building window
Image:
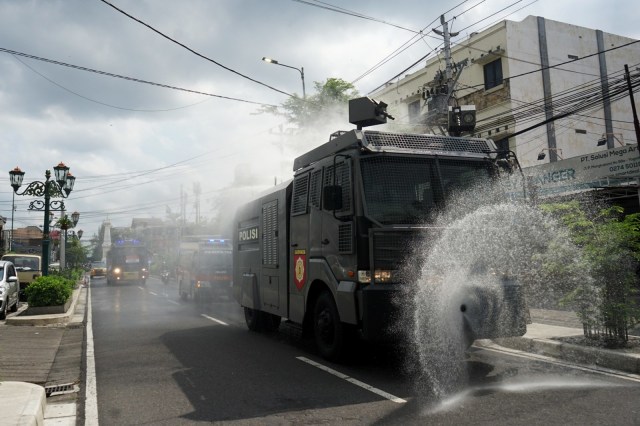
(414, 110)
(493, 74)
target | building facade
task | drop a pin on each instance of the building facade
(521, 74)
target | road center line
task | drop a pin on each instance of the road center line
(214, 320)
(353, 381)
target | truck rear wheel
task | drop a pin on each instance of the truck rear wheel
(328, 330)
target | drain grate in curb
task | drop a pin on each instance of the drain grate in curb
(61, 389)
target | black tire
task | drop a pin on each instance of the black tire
(14, 308)
(3, 313)
(329, 332)
(253, 318)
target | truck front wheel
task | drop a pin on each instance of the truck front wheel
(328, 330)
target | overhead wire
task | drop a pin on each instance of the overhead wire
(194, 51)
(137, 80)
(99, 102)
(333, 8)
(402, 48)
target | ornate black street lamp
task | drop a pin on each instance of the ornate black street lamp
(65, 223)
(60, 188)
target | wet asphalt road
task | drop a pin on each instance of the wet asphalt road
(160, 360)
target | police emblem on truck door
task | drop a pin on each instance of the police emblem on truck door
(299, 268)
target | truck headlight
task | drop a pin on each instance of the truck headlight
(202, 284)
(380, 276)
(116, 270)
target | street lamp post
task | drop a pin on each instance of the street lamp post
(300, 70)
(65, 223)
(60, 188)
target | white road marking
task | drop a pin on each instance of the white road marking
(214, 320)
(141, 288)
(492, 347)
(173, 301)
(353, 381)
(155, 294)
(91, 400)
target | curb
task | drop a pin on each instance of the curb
(28, 401)
(607, 358)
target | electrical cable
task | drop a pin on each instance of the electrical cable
(195, 52)
(98, 102)
(137, 80)
(328, 6)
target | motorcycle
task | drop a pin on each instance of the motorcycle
(165, 277)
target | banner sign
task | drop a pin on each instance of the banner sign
(611, 167)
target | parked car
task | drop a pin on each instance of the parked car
(98, 269)
(29, 267)
(9, 288)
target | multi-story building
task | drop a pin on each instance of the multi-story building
(519, 74)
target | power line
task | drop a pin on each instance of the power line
(195, 52)
(328, 6)
(99, 102)
(137, 80)
(402, 48)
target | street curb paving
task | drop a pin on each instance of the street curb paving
(28, 401)
(607, 358)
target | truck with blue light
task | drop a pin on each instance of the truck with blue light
(204, 268)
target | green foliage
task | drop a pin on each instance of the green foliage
(49, 291)
(611, 245)
(76, 254)
(331, 94)
(73, 274)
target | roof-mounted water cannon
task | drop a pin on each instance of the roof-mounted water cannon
(365, 112)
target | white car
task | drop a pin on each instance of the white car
(9, 288)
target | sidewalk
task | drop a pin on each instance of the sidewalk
(548, 334)
(40, 365)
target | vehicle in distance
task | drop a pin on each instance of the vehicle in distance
(9, 288)
(98, 269)
(128, 262)
(28, 266)
(204, 267)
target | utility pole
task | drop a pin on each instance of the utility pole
(439, 91)
(447, 52)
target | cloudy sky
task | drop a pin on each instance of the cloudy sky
(134, 146)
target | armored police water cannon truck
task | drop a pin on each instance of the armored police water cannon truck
(324, 249)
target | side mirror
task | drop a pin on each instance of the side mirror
(332, 197)
(12, 279)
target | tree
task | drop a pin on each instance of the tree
(611, 246)
(331, 95)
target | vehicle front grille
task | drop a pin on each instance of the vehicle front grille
(391, 247)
